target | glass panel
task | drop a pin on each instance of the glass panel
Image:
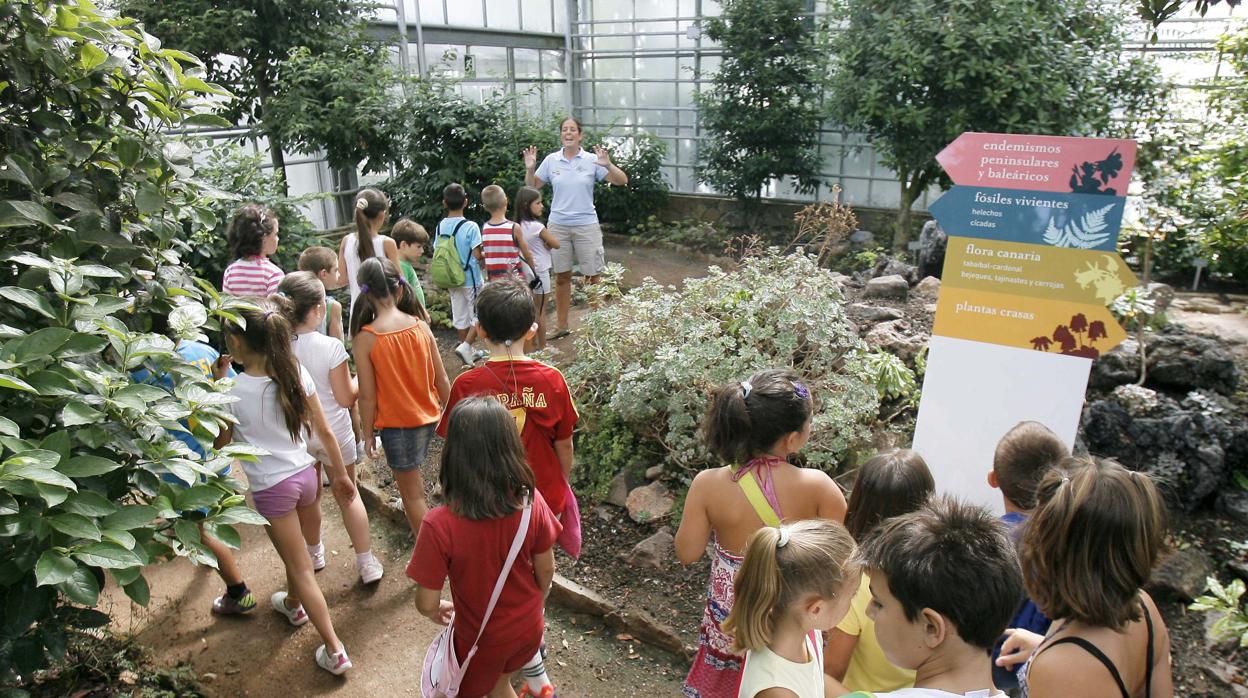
(613, 68)
(445, 59)
(464, 13)
(614, 94)
(657, 94)
(526, 63)
(488, 62)
(552, 65)
(606, 37)
(658, 35)
(653, 9)
(502, 14)
(535, 14)
(561, 15)
(611, 9)
(656, 69)
(431, 12)
(555, 98)
(885, 194)
(855, 192)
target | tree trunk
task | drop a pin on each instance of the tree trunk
(901, 236)
(276, 155)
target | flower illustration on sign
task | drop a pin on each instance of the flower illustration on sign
(1094, 177)
(1075, 338)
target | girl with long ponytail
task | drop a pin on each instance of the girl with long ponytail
(276, 405)
(371, 207)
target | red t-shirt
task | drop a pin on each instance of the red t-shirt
(472, 554)
(538, 398)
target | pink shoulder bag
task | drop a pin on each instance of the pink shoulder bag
(442, 672)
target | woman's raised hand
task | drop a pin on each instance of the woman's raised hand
(530, 157)
(604, 158)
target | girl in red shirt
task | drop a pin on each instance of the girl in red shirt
(485, 481)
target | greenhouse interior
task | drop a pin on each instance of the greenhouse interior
(614, 348)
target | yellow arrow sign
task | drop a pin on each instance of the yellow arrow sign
(1093, 277)
(1073, 329)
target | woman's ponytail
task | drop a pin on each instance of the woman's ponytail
(757, 590)
(369, 204)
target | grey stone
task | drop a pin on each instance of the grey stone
(650, 503)
(654, 472)
(892, 286)
(1118, 366)
(653, 552)
(1183, 575)
(895, 337)
(1181, 361)
(929, 287)
(1234, 503)
(891, 266)
(872, 314)
(1239, 568)
(932, 245)
(862, 237)
(617, 491)
(1162, 296)
(930, 308)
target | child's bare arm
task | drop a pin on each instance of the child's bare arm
(551, 241)
(544, 570)
(563, 451)
(343, 386)
(429, 604)
(836, 655)
(367, 401)
(524, 246)
(695, 527)
(335, 322)
(832, 501)
(440, 382)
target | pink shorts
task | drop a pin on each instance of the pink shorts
(297, 491)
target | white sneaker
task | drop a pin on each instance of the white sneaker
(318, 559)
(336, 664)
(297, 616)
(479, 355)
(464, 352)
(371, 570)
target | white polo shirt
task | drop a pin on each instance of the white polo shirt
(572, 182)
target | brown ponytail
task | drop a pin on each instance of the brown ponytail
(269, 334)
(746, 418)
(782, 567)
(304, 292)
(378, 280)
(369, 204)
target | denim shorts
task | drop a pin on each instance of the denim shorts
(406, 447)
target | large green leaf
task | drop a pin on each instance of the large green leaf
(36, 457)
(39, 344)
(81, 586)
(89, 503)
(130, 517)
(37, 475)
(87, 466)
(53, 568)
(28, 299)
(15, 383)
(138, 591)
(108, 556)
(74, 525)
(8, 427)
(77, 412)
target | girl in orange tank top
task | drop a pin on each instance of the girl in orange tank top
(403, 386)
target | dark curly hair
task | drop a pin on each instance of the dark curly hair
(248, 228)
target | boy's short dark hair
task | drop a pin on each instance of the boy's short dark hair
(505, 310)
(954, 558)
(317, 259)
(1023, 456)
(454, 197)
(408, 231)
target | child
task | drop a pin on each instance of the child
(325, 358)
(467, 238)
(323, 263)
(540, 242)
(888, 484)
(944, 582)
(370, 214)
(755, 425)
(486, 484)
(796, 582)
(502, 245)
(237, 598)
(252, 237)
(411, 238)
(277, 403)
(537, 396)
(403, 387)
(1022, 458)
(1089, 548)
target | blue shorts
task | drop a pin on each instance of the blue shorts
(406, 448)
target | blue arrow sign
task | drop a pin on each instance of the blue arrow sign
(1080, 221)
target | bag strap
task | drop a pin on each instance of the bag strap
(454, 231)
(511, 558)
(758, 500)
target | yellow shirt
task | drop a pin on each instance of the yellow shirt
(868, 669)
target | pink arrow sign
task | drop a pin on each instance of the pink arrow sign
(1040, 163)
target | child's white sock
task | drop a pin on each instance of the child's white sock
(318, 549)
(534, 672)
(464, 346)
(361, 558)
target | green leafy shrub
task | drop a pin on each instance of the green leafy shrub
(893, 379)
(92, 206)
(689, 233)
(236, 177)
(1226, 603)
(648, 361)
(449, 138)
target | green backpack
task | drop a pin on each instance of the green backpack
(447, 270)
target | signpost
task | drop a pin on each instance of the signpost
(1033, 223)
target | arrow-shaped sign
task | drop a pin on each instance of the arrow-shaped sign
(1083, 221)
(1072, 329)
(1040, 163)
(1075, 276)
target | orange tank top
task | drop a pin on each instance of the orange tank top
(403, 372)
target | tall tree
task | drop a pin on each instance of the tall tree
(761, 112)
(244, 43)
(914, 74)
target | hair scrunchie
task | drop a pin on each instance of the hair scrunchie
(361, 203)
(746, 387)
(784, 537)
(363, 288)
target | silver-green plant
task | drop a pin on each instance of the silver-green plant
(1232, 616)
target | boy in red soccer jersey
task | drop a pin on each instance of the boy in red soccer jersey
(536, 395)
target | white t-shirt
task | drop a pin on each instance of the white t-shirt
(765, 669)
(320, 354)
(937, 693)
(262, 424)
(351, 255)
(532, 232)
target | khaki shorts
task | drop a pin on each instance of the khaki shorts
(464, 306)
(579, 245)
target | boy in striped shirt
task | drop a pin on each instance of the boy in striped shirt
(501, 241)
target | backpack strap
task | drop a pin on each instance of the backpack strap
(516, 544)
(758, 500)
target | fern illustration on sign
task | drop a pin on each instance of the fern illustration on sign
(1086, 233)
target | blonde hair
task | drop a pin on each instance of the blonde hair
(409, 231)
(493, 198)
(317, 259)
(782, 567)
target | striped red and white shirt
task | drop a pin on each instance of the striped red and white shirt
(253, 276)
(498, 245)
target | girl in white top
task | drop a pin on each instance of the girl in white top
(325, 358)
(540, 242)
(796, 581)
(371, 207)
(276, 404)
